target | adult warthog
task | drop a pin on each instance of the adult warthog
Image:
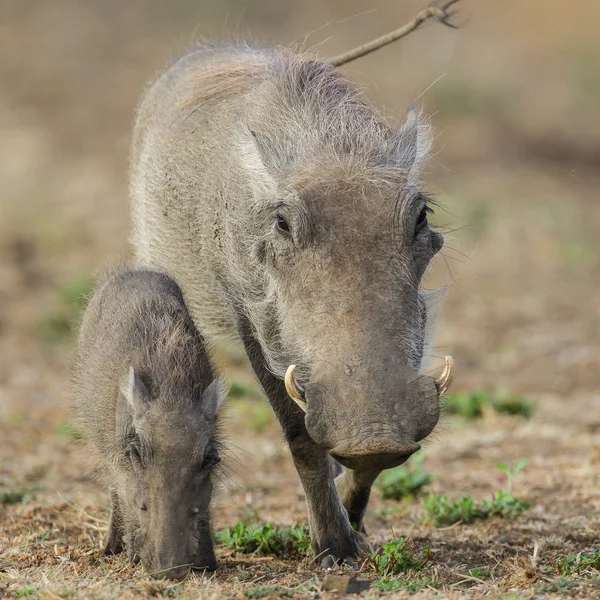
(289, 213)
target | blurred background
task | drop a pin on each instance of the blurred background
(513, 95)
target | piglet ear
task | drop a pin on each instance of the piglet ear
(407, 140)
(212, 398)
(135, 392)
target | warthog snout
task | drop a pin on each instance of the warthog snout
(165, 567)
(369, 420)
(169, 573)
(169, 559)
(382, 453)
(176, 557)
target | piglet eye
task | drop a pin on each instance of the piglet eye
(144, 507)
(133, 452)
(211, 459)
(281, 224)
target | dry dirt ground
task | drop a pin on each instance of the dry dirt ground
(516, 172)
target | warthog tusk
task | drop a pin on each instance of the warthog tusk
(294, 390)
(446, 378)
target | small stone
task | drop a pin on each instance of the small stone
(502, 539)
(344, 584)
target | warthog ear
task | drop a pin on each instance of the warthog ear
(410, 143)
(258, 157)
(135, 392)
(212, 398)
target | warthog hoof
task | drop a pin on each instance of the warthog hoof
(330, 562)
(340, 552)
(364, 545)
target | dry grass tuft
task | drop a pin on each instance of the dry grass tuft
(154, 587)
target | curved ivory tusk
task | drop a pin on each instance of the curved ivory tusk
(445, 380)
(295, 392)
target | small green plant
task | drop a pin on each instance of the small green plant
(385, 511)
(241, 389)
(404, 481)
(262, 416)
(479, 573)
(265, 539)
(268, 591)
(513, 405)
(397, 556)
(455, 98)
(412, 586)
(561, 585)
(470, 405)
(504, 505)
(257, 413)
(458, 98)
(66, 430)
(582, 77)
(512, 471)
(58, 326)
(576, 563)
(17, 418)
(443, 511)
(76, 291)
(14, 497)
(28, 590)
(46, 534)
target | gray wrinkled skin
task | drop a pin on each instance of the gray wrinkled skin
(147, 402)
(289, 213)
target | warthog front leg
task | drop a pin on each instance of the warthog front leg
(332, 537)
(354, 489)
(114, 542)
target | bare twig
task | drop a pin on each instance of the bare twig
(453, 526)
(441, 13)
(467, 578)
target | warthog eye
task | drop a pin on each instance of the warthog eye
(281, 224)
(144, 507)
(422, 219)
